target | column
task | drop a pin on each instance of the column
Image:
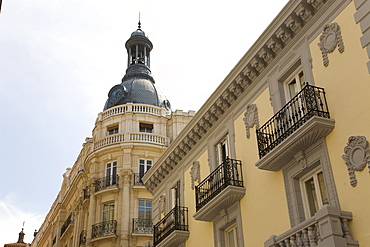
(91, 218)
(125, 221)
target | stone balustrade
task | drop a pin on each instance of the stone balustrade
(109, 140)
(327, 228)
(131, 108)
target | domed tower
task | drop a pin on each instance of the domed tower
(138, 86)
(102, 201)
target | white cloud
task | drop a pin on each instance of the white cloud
(11, 221)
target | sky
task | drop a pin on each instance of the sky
(59, 58)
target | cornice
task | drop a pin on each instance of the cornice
(279, 36)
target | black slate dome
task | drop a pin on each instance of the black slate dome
(138, 86)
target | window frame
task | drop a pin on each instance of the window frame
(318, 192)
(145, 208)
(145, 166)
(110, 214)
(146, 127)
(112, 130)
(305, 162)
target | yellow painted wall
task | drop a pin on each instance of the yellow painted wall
(347, 85)
(201, 233)
(264, 206)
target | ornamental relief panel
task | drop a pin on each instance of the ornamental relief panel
(195, 173)
(356, 155)
(330, 39)
(251, 118)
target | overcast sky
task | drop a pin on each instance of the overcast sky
(59, 58)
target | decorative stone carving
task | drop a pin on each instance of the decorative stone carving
(284, 34)
(275, 44)
(294, 23)
(235, 89)
(162, 204)
(222, 104)
(266, 55)
(251, 118)
(301, 159)
(195, 173)
(251, 73)
(330, 38)
(258, 64)
(304, 11)
(242, 81)
(316, 3)
(357, 155)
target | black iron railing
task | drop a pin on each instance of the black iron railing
(68, 221)
(86, 192)
(104, 228)
(176, 219)
(309, 102)
(228, 173)
(83, 237)
(137, 179)
(142, 225)
(106, 182)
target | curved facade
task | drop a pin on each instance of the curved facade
(102, 201)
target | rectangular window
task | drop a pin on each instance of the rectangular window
(230, 237)
(144, 166)
(294, 84)
(314, 193)
(111, 174)
(108, 211)
(145, 209)
(222, 149)
(145, 127)
(112, 130)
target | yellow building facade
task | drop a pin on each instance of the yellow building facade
(279, 153)
(102, 201)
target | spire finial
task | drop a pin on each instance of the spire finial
(139, 22)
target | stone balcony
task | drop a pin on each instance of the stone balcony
(221, 189)
(299, 124)
(327, 228)
(173, 229)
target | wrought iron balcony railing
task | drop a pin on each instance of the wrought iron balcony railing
(309, 102)
(176, 219)
(68, 222)
(142, 226)
(228, 173)
(106, 182)
(137, 180)
(83, 235)
(104, 228)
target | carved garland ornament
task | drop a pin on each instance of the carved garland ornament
(330, 38)
(357, 155)
(251, 118)
(195, 173)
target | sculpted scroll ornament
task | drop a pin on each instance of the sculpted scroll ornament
(195, 173)
(330, 38)
(357, 155)
(251, 118)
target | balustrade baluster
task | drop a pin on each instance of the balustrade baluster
(306, 242)
(346, 233)
(318, 237)
(281, 244)
(311, 236)
(299, 240)
(293, 241)
(287, 242)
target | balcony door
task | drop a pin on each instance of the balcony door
(144, 166)
(294, 84)
(111, 174)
